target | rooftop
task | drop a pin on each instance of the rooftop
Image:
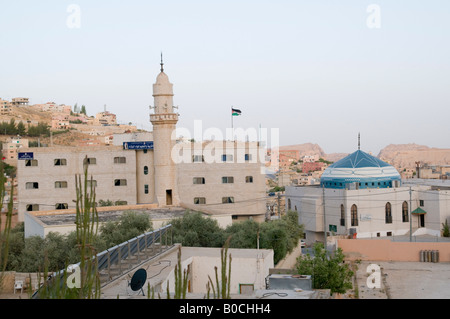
(105, 214)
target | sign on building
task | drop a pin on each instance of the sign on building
(146, 145)
(25, 155)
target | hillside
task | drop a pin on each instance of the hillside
(405, 155)
(29, 115)
(26, 114)
(305, 149)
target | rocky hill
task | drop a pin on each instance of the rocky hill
(398, 155)
(305, 149)
(405, 155)
(29, 115)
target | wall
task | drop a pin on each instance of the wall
(386, 250)
(249, 198)
(105, 171)
(252, 269)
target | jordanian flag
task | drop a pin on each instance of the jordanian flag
(235, 112)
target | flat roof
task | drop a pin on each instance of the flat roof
(105, 214)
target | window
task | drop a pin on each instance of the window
(227, 200)
(198, 158)
(227, 158)
(32, 162)
(61, 206)
(145, 170)
(342, 215)
(289, 204)
(146, 188)
(60, 162)
(248, 157)
(249, 179)
(120, 182)
(199, 200)
(388, 213)
(227, 180)
(90, 161)
(120, 160)
(93, 183)
(32, 207)
(354, 215)
(32, 185)
(199, 180)
(421, 203)
(60, 184)
(405, 215)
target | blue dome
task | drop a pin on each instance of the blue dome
(361, 168)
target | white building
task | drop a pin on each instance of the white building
(219, 177)
(364, 197)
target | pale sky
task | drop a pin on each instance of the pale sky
(315, 70)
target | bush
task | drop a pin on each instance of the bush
(328, 271)
(129, 225)
(197, 231)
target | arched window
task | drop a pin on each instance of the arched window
(354, 212)
(342, 215)
(388, 213)
(405, 215)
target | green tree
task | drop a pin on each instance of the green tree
(129, 225)
(445, 229)
(83, 110)
(21, 129)
(243, 234)
(328, 270)
(274, 235)
(294, 229)
(11, 127)
(197, 231)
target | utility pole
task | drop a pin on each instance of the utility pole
(410, 216)
(278, 204)
(324, 218)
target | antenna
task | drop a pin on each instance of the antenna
(359, 141)
(162, 63)
(138, 280)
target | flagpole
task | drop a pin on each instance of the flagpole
(232, 126)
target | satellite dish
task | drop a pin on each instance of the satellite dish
(138, 280)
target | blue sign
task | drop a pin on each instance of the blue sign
(25, 156)
(148, 145)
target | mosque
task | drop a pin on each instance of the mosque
(364, 197)
(220, 178)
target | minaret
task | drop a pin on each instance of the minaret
(164, 122)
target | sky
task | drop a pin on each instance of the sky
(315, 71)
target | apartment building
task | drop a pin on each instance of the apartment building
(5, 107)
(12, 147)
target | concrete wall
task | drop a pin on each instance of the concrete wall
(386, 250)
(249, 197)
(105, 171)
